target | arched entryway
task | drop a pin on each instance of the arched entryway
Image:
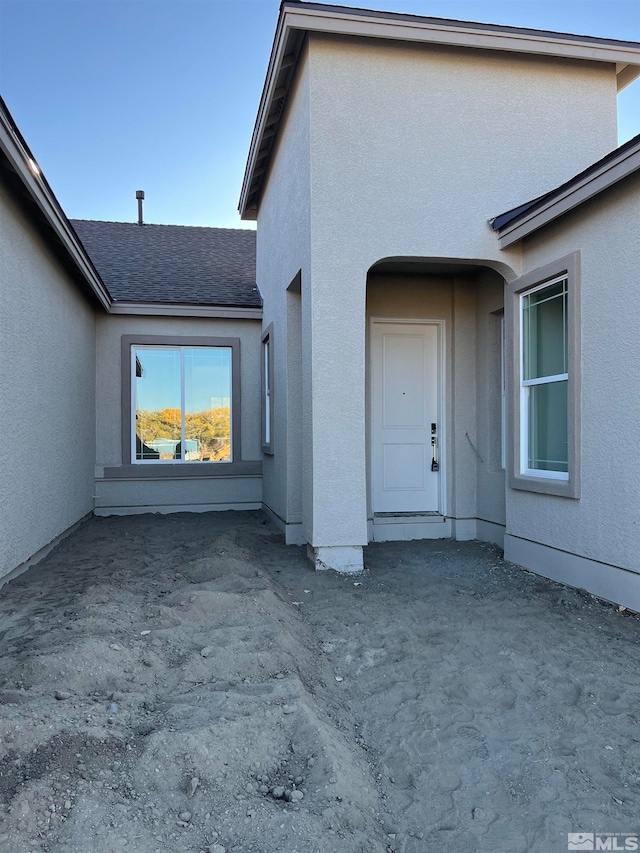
(435, 402)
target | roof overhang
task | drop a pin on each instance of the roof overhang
(621, 163)
(183, 309)
(297, 19)
(22, 162)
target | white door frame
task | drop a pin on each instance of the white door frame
(442, 425)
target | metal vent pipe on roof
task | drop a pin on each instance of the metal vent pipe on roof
(140, 197)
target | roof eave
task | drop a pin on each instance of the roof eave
(186, 309)
(556, 204)
(29, 173)
(302, 18)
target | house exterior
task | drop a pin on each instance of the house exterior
(74, 329)
(384, 147)
(433, 337)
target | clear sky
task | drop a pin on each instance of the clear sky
(118, 95)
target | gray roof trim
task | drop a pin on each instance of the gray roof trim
(297, 19)
(168, 309)
(23, 163)
(529, 217)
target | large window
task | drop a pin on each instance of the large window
(181, 404)
(544, 379)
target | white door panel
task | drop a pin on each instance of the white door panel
(404, 406)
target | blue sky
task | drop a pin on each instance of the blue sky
(161, 95)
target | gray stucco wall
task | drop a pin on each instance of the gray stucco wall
(283, 251)
(414, 148)
(604, 524)
(396, 150)
(490, 473)
(47, 393)
(125, 494)
(412, 151)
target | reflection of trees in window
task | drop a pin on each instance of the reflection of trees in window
(182, 403)
(209, 434)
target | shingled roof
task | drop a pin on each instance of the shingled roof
(173, 263)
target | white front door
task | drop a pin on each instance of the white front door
(404, 416)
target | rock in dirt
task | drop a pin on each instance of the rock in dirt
(296, 796)
(193, 786)
(277, 792)
(185, 817)
(217, 848)
(206, 652)
(61, 695)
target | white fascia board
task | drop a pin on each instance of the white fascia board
(591, 185)
(168, 309)
(29, 173)
(625, 58)
(463, 35)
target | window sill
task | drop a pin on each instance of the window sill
(562, 488)
(183, 470)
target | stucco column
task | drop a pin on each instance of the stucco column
(334, 462)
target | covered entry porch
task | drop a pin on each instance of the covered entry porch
(403, 395)
(434, 401)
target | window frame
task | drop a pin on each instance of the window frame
(520, 475)
(267, 373)
(178, 468)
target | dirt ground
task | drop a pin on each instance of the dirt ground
(187, 683)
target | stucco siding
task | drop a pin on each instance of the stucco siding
(413, 149)
(283, 251)
(604, 524)
(422, 145)
(117, 493)
(490, 473)
(47, 393)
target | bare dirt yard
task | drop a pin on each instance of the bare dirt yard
(188, 683)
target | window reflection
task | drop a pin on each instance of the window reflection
(182, 404)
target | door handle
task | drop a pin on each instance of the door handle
(434, 447)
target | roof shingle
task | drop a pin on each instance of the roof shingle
(173, 263)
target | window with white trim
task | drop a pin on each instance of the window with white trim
(267, 390)
(181, 404)
(543, 371)
(544, 376)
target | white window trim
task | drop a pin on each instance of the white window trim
(525, 396)
(521, 476)
(267, 372)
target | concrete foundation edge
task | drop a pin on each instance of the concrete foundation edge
(293, 534)
(166, 509)
(611, 583)
(460, 529)
(346, 559)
